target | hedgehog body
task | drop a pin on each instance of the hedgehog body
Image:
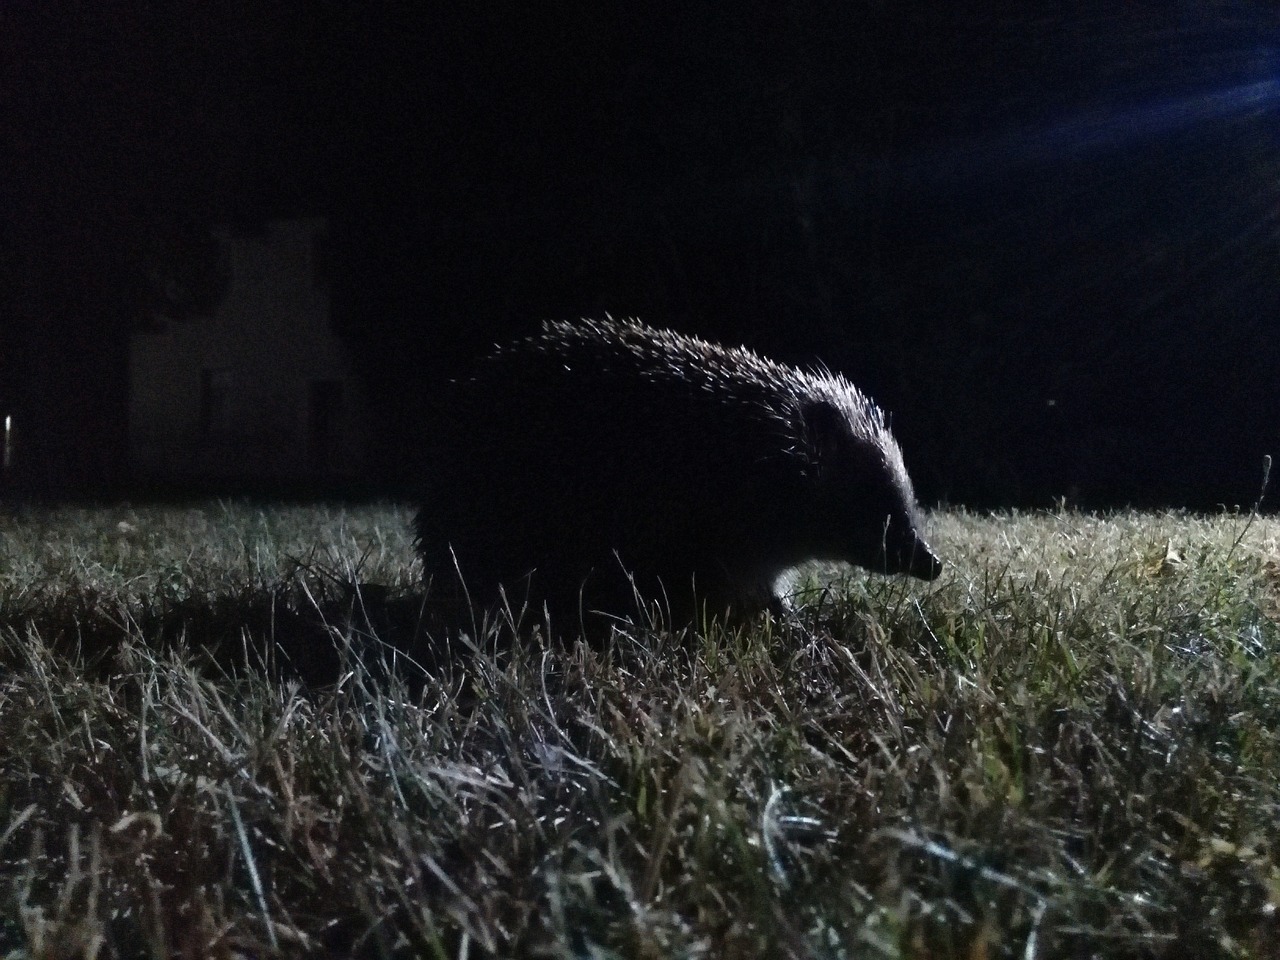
(601, 463)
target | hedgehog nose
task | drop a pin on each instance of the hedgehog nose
(924, 563)
(909, 553)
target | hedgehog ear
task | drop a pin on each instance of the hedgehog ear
(824, 425)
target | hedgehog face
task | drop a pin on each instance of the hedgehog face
(875, 527)
(863, 508)
(902, 549)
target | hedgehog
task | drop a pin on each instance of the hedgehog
(605, 467)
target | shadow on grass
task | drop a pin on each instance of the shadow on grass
(292, 631)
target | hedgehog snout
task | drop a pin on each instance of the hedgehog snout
(924, 563)
(905, 551)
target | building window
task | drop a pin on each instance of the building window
(321, 259)
(215, 400)
(324, 423)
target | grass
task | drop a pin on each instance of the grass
(223, 733)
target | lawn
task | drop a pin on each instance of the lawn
(224, 732)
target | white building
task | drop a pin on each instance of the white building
(262, 389)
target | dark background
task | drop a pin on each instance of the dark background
(1044, 235)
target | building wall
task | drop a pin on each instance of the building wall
(262, 389)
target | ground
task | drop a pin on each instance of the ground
(224, 732)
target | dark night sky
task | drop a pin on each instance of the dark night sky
(1044, 235)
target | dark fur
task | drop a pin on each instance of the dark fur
(601, 448)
